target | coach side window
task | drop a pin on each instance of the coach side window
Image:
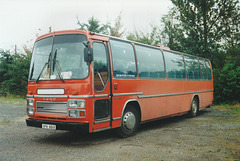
(124, 64)
(150, 62)
(192, 67)
(203, 69)
(209, 75)
(174, 65)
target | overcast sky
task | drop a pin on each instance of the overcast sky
(22, 20)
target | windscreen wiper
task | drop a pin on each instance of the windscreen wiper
(47, 63)
(54, 64)
(32, 72)
(54, 60)
(58, 68)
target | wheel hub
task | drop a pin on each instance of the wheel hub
(194, 107)
(129, 120)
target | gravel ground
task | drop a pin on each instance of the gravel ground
(213, 135)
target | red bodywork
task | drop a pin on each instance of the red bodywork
(164, 97)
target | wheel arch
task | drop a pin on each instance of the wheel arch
(136, 105)
(193, 97)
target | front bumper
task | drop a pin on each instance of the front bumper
(59, 125)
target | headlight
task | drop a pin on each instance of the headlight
(30, 111)
(30, 102)
(76, 104)
(76, 113)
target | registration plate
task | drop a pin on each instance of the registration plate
(49, 126)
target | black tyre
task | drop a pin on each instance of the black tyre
(194, 108)
(130, 122)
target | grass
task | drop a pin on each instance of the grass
(235, 109)
(12, 99)
(4, 121)
(229, 138)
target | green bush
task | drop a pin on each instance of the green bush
(227, 79)
(14, 72)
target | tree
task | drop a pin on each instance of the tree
(152, 38)
(94, 25)
(211, 29)
(115, 30)
(5, 61)
(171, 31)
(206, 23)
(227, 81)
(14, 72)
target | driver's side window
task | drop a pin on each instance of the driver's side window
(100, 66)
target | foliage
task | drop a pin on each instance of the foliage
(5, 61)
(94, 25)
(115, 30)
(206, 24)
(171, 31)
(14, 72)
(227, 82)
(152, 38)
(235, 108)
(13, 99)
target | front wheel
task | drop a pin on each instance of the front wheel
(129, 122)
(194, 108)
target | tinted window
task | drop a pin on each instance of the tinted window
(203, 69)
(124, 64)
(192, 67)
(209, 75)
(150, 62)
(100, 66)
(174, 65)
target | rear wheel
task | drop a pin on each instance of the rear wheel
(129, 122)
(194, 108)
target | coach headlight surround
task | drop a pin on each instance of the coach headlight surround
(30, 111)
(76, 104)
(76, 113)
(30, 102)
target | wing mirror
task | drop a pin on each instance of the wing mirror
(88, 52)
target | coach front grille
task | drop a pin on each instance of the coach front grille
(52, 107)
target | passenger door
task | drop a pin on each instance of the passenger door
(101, 85)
